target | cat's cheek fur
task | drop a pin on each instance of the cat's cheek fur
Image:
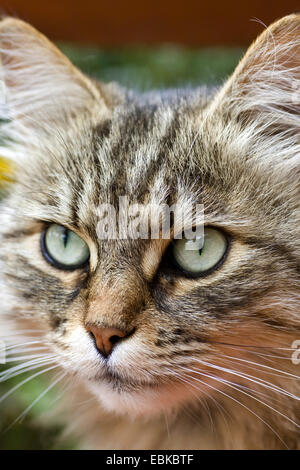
(76, 353)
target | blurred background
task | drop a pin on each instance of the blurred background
(142, 44)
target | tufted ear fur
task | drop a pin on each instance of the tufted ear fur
(39, 87)
(262, 97)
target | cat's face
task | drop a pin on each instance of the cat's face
(146, 324)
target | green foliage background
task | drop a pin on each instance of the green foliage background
(141, 68)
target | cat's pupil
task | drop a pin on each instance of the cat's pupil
(65, 237)
(63, 248)
(210, 251)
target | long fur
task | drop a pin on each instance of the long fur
(209, 364)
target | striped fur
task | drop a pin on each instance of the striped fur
(212, 356)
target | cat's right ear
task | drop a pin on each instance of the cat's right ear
(262, 97)
(39, 87)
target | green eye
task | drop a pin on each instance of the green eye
(199, 257)
(64, 248)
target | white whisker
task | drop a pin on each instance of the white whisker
(26, 411)
(293, 376)
(251, 378)
(22, 368)
(237, 387)
(16, 387)
(235, 400)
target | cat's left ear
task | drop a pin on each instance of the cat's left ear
(39, 87)
(263, 94)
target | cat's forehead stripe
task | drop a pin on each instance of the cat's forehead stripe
(136, 159)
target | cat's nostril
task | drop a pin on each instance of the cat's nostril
(106, 338)
(114, 339)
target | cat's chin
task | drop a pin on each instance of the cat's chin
(147, 401)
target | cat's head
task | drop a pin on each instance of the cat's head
(146, 323)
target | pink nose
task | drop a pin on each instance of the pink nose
(106, 338)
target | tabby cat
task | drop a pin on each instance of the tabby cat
(160, 347)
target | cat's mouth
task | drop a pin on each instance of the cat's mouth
(122, 383)
(129, 395)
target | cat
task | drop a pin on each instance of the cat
(161, 347)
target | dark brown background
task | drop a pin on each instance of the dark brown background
(116, 22)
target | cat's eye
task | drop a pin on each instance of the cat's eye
(203, 255)
(63, 248)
